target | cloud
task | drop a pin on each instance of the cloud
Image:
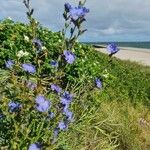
(108, 20)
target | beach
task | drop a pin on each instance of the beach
(139, 55)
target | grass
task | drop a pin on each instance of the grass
(109, 126)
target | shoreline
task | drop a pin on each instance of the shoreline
(145, 50)
(138, 55)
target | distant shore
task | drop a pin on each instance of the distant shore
(139, 55)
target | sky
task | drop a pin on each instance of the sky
(108, 20)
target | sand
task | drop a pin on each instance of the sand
(139, 55)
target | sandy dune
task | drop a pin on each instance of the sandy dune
(138, 55)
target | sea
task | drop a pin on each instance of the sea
(145, 45)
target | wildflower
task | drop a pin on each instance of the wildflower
(9, 64)
(38, 43)
(54, 63)
(43, 48)
(62, 125)
(22, 53)
(66, 99)
(98, 83)
(14, 106)
(56, 88)
(78, 12)
(112, 48)
(35, 146)
(69, 56)
(59, 40)
(9, 18)
(31, 85)
(29, 68)
(26, 38)
(68, 114)
(67, 7)
(42, 104)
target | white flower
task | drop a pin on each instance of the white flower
(9, 18)
(105, 75)
(43, 48)
(21, 53)
(59, 40)
(36, 21)
(26, 38)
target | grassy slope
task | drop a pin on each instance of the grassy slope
(130, 81)
(116, 118)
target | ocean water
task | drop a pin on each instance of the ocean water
(126, 44)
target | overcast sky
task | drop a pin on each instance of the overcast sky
(108, 20)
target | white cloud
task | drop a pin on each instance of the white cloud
(110, 31)
(118, 19)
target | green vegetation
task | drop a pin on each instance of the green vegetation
(115, 117)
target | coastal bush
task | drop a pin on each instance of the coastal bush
(49, 97)
(36, 91)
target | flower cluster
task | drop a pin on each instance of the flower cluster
(69, 56)
(98, 83)
(42, 104)
(56, 88)
(112, 48)
(22, 54)
(76, 13)
(29, 68)
(14, 106)
(66, 100)
(26, 67)
(9, 64)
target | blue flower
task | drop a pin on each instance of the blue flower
(68, 114)
(78, 12)
(67, 7)
(69, 56)
(31, 85)
(14, 106)
(66, 98)
(37, 43)
(62, 125)
(98, 83)
(9, 64)
(54, 63)
(42, 104)
(35, 146)
(56, 88)
(29, 68)
(112, 48)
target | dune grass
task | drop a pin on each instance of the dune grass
(109, 126)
